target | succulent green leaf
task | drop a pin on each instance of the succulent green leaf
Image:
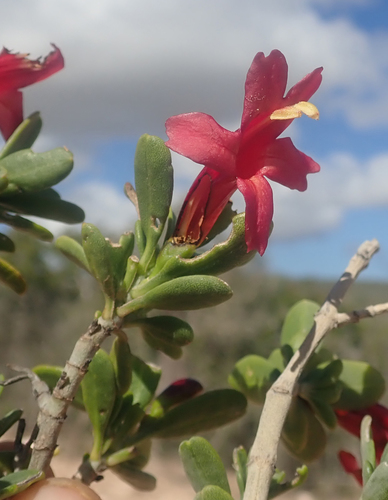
(169, 329)
(140, 238)
(98, 254)
(121, 358)
(135, 477)
(154, 184)
(302, 433)
(324, 412)
(240, 465)
(145, 380)
(12, 278)
(136, 456)
(187, 293)
(3, 179)
(125, 422)
(26, 226)
(99, 395)
(377, 486)
(119, 255)
(9, 419)
(253, 375)
(24, 136)
(50, 375)
(73, 251)
(212, 492)
(46, 204)
(202, 464)
(172, 351)
(219, 259)
(298, 323)
(363, 385)
(15, 482)
(204, 412)
(6, 244)
(29, 171)
(368, 452)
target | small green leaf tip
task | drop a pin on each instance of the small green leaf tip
(202, 464)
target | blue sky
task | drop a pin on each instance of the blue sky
(130, 65)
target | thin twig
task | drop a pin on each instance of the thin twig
(263, 454)
(53, 413)
(356, 316)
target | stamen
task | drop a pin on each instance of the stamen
(296, 111)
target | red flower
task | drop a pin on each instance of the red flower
(16, 72)
(351, 421)
(242, 159)
(350, 465)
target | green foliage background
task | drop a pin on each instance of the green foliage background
(43, 325)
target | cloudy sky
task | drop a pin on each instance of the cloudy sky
(131, 64)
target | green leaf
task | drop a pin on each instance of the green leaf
(213, 493)
(98, 254)
(50, 375)
(18, 481)
(145, 380)
(166, 333)
(219, 259)
(187, 293)
(29, 171)
(46, 204)
(363, 386)
(121, 358)
(204, 412)
(11, 277)
(253, 375)
(6, 244)
(368, 452)
(377, 486)
(202, 464)
(120, 254)
(73, 251)
(99, 395)
(154, 184)
(24, 136)
(240, 465)
(302, 433)
(135, 477)
(9, 420)
(26, 226)
(298, 323)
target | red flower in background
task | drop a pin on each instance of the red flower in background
(350, 465)
(16, 72)
(242, 159)
(351, 421)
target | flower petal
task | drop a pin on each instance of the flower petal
(199, 137)
(11, 112)
(350, 465)
(304, 89)
(265, 85)
(203, 204)
(287, 165)
(17, 71)
(259, 211)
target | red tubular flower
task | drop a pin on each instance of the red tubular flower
(16, 72)
(351, 421)
(242, 159)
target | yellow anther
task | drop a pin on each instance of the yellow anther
(296, 111)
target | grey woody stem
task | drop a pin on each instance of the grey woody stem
(53, 408)
(263, 455)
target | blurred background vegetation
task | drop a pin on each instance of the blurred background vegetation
(43, 325)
